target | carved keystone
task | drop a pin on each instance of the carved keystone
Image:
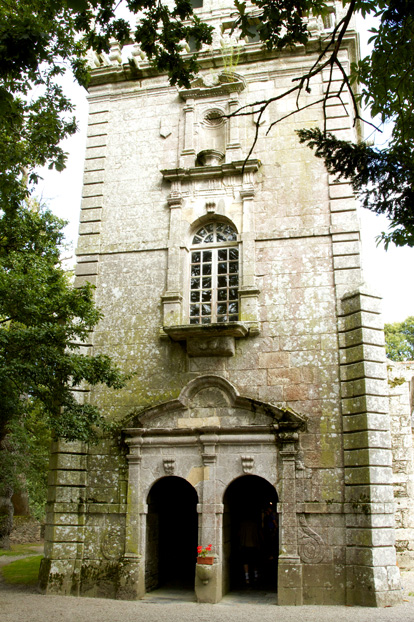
(247, 463)
(169, 466)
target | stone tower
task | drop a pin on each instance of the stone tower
(232, 290)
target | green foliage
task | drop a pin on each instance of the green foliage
(23, 571)
(43, 319)
(399, 340)
(281, 24)
(24, 456)
(383, 178)
(39, 41)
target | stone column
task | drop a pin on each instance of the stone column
(211, 517)
(290, 567)
(372, 575)
(132, 571)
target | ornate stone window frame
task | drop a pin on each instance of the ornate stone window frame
(239, 174)
(209, 176)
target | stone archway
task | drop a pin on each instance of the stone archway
(209, 436)
(247, 500)
(171, 534)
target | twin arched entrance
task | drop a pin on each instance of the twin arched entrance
(250, 535)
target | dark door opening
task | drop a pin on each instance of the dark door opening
(171, 535)
(250, 535)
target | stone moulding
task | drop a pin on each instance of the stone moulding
(200, 172)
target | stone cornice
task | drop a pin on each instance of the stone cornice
(208, 59)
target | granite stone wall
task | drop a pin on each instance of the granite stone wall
(294, 393)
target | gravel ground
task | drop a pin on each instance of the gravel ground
(22, 603)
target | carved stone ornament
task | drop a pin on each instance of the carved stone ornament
(311, 545)
(247, 464)
(110, 547)
(208, 339)
(169, 466)
(165, 129)
(210, 207)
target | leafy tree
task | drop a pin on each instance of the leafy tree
(383, 178)
(399, 340)
(39, 40)
(43, 319)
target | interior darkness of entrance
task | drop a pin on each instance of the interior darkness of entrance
(250, 508)
(171, 534)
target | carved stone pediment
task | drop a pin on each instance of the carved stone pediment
(211, 402)
(214, 85)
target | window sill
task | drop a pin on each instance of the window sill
(208, 339)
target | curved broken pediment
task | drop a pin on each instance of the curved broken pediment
(211, 401)
(209, 85)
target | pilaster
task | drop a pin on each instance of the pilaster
(131, 571)
(290, 587)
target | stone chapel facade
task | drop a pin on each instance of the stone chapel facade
(233, 291)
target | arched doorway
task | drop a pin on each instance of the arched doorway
(250, 535)
(171, 547)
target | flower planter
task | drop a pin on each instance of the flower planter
(205, 560)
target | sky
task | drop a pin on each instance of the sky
(388, 273)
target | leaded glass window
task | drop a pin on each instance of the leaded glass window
(214, 280)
